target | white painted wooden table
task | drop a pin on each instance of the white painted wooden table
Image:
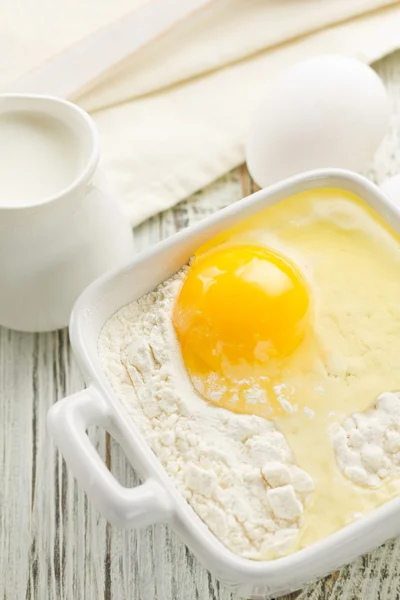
(53, 544)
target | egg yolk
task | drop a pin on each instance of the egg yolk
(240, 312)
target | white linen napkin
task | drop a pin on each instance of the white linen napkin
(175, 116)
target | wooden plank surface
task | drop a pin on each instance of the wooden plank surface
(53, 544)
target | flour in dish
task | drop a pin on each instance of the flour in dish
(236, 471)
(254, 372)
(367, 445)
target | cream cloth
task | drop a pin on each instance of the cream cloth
(175, 117)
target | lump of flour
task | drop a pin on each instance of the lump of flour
(367, 444)
(236, 471)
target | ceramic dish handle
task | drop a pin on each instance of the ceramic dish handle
(127, 507)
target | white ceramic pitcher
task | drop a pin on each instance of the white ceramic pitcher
(51, 250)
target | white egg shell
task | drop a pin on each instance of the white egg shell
(328, 111)
(391, 187)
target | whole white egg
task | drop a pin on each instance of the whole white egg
(328, 111)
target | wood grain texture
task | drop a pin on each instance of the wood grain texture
(53, 544)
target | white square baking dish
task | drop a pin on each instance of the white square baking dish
(157, 499)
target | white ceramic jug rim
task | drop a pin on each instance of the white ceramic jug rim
(65, 113)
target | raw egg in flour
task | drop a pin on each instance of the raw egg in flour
(242, 311)
(293, 316)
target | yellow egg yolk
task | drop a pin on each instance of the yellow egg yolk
(241, 312)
